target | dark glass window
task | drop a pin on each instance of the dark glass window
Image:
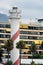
(41, 33)
(7, 56)
(23, 32)
(2, 31)
(35, 28)
(1, 41)
(30, 27)
(7, 26)
(29, 42)
(7, 36)
(2, 25)
(23, 37)
(2, 36)
(40, 28)
(32, 37)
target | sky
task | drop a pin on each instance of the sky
(30, 9)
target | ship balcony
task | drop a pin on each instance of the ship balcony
(31, 30)
(40, 49)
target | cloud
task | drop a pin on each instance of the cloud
(5, 5)
(30, 8)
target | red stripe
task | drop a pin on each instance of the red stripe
(17, 62)
(15, 35)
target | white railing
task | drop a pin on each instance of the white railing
(28, 61)
(4, 60)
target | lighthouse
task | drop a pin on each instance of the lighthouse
(15, 20)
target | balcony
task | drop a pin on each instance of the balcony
(15, 17)
(31, 30)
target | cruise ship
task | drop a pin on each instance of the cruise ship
(31, 32)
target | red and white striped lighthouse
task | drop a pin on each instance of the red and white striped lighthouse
(15, 20)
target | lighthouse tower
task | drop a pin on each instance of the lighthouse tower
(15, 20)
